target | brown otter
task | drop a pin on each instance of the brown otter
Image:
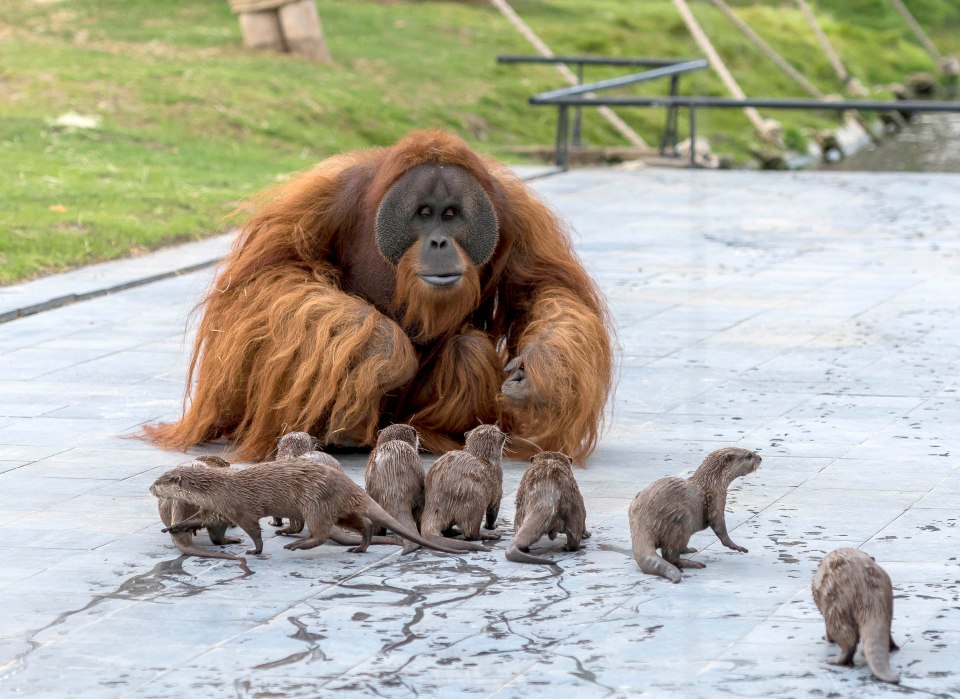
(299, 445)
(463, 487)
(394, 476)
(323, 497)
(668, 511)
(302, 448)
(176, 511)
(855, 597)
(548, 502)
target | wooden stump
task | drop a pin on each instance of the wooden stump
(282, 25)
(301, 30)
(261, 30)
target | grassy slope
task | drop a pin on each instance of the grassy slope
(191, 124)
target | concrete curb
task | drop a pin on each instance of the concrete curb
(89, 282)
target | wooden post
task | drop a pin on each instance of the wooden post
(302, 32)
(261, 30)
(282, 25)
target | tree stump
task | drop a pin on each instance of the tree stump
(282, 25)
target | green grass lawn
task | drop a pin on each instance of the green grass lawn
(191, 124)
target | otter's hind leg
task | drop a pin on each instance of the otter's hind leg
(252, 528)
(319, 527)
(218, 535)
(493, 510)
(846, 637)
(673, 556)
(470, 526)
(295, 527)
(574, 533)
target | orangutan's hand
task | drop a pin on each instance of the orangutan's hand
(515, 385)
(527, 373)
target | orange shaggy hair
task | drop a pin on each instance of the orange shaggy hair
(287, 343)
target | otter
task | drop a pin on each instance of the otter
(855, 597)
(667, 512)
(299, 445)
(548, 502)
(175, 511)
(321, 496)
(302, 447)
(463, 487)
(394, 476)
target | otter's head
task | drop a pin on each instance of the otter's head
(213, 461)
(486, 442)
(186, 481)
(294, 444)
(401, 432)
(553, 457)
(731, 462)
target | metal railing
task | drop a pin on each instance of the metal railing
(671, 68)
(577, 97)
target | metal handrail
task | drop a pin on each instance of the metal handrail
(623, 81)
(592, 60)
(577, 97)
(671, 68)
(760, 102)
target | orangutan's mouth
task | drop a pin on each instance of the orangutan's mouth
(441, 279)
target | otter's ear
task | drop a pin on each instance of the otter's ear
(532, 458)
(278, 440)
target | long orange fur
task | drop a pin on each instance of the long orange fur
(281, 346)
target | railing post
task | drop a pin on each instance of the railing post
(563, 128)
(577, 114)
(669, 140)
(693, 136)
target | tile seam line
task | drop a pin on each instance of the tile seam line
(70, 299)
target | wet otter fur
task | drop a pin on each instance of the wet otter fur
(669, 511)
(321, 496)
(176, 511)
(548, 502)
(394, 476)
(299, 445)
(855, 597)
(465, 486)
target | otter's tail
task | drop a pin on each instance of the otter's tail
(438, 543)
(184, 544)
(407, 520)
(531, 529)
(430, 529)
(877, 644)
(517, 556)
(645, 553)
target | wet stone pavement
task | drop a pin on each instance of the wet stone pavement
(813, 317)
